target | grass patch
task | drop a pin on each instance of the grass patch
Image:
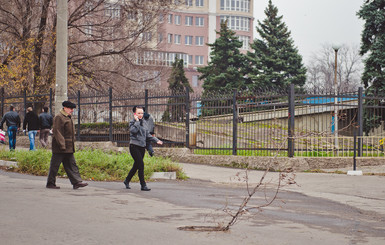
(259, 153)
(324, 172)
(93, 164)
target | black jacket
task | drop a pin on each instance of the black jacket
(11, 118)
(32, 120)
(46, 120)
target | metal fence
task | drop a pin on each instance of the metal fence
(263, 123)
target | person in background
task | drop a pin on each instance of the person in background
(138, 136)
(148, 122)
(46, 121)
(13, 122)
(63, 148)
(32, 121)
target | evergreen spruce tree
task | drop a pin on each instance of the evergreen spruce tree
(373, 44)
(224, 71)
(178, 82)
(275, 61)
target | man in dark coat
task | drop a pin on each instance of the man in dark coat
(32, 121)
(63, 148)
(13, 122)
(46, 121)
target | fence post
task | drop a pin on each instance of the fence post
(78, 133)
(110, 108)
(146, 100)
(25, 102)
(50, 101)
(290, 146)
(2, 101)
(187, 106)
(235, 122)
(360, 120)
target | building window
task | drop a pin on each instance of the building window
(195, 81)
(189, 3)
(112, 10)
(147, 36)
(169, 38)
(235, 5)
(169, 19)
(199, 41)
(189, 20)
(199, 21)
(177, 19)
(161, 17)
(88, 29)
(88, 7)
(132, 15)
(245, 41)
(177, 39)
(188, 40)
(199, 3)
(160, 37)
(199, 59)
(190, 59)
(238, 23)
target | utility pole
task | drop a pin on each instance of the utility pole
(61, 54)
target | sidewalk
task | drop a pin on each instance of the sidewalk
(364, 192)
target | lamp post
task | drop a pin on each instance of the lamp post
(336, 48)
(61, 54)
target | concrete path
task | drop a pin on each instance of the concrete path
(364, 192)
(105, 213)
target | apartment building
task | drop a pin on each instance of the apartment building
(185, 31)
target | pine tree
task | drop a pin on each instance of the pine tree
(178, 82)
(275, 61)
(224, 71)
(373, 44)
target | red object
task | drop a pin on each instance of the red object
(2, 137)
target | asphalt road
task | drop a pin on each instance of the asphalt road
(106, 213)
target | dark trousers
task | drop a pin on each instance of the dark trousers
(44, 137)
(70, 167)
(149, 146)
(137, 154)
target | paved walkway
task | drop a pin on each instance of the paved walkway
(365, 192)
(32, 214)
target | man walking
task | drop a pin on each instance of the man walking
(63, 148)
(32, 121)
(13, 122)
(46, 121)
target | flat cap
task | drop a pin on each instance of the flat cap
(68, 104)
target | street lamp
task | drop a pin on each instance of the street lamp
(336, 47)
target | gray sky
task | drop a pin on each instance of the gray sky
(316, 22)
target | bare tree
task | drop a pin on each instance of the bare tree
(320, 75)
(107, 39)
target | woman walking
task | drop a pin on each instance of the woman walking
(138, 136)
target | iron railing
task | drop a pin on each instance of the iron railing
(255, 123)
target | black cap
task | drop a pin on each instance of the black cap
(68, 104)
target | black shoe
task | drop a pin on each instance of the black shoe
(151, 153)
(80, 184)
(51, 186)
(127, 184)
(145, 188)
